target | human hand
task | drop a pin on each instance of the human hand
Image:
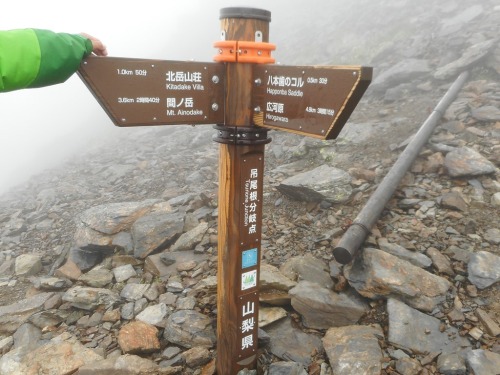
(99, 48)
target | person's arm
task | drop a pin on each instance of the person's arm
(32, 58)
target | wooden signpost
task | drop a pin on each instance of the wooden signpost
(244, 95)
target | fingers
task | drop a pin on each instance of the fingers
(98, 47)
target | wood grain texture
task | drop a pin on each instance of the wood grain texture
(239, 76)
(233, 237)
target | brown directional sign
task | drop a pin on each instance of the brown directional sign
(307, 100)
(138, 92)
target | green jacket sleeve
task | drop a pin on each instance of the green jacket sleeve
(34, 58)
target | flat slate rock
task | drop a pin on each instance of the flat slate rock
(402, 72)
(468, 58)
(155, 232)
(484, 269)
(483, 362)
(88, 298)
(291, 344)
(308, 268)
(62, 355)
(410, 329)
(115, 217)
(322, 183)
(354, 349)
(12, 316)
(465, 161)
(377, 274)
(189, 328)
(322, 308)
(156, 266)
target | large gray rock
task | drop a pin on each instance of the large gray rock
(307, 268)
(354, 349)
(403, 72)
(127, 364)
(451, 364)
(27, 336)
(377, 274)
(468, 58)
(115, 217)
(28, 265)
(269, 315)
(134, 292)
(286, 368)
(417, 259)
(189, 328)
(6, 344)
(272, 279)
(484, 269)
(292, 344)
(465, 161)
(322, 183)
(321, 308)
(154, 314)
(47, 283)
(188, 240)
(483, 362)
(12, 316)
(486, 113)
(62, 355)
(97, 277)
(97, 227)
(156, 232)
(492, 235)
(88, 298)
(413, 330)
(123, 273)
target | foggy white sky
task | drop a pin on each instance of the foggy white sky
(40, 127)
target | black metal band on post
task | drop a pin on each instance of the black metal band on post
(243, 12)
(355, 235)
(240, 135)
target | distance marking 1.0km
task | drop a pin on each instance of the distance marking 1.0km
(137, 92)
(308, 100)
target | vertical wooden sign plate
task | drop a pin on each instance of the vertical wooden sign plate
(240, 231)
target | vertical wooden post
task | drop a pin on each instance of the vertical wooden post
(241, 172)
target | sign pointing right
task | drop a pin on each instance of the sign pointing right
(307, 100)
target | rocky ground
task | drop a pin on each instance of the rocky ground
(108, 264)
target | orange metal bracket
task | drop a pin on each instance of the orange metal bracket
(227, 50)
(255, 52)
(244, 52)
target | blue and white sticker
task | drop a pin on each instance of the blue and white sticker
(248, 280)
(249, 258)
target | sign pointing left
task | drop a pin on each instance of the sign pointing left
(137, 92)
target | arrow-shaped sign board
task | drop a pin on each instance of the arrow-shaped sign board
(307, 100)
(138, 92)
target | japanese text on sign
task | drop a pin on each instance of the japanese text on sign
(136, 92)
(311, 100)
(248, 325)
(182, 76)
(251, 202)
(283, 81)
